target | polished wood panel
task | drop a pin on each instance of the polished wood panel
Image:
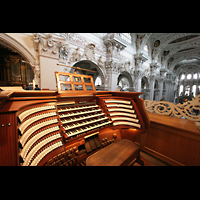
(53, 128)
(8, 140)
(122, 152)
(173, 140)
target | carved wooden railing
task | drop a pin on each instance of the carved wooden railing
(189, 110)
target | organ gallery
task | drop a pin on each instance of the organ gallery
(102, 99)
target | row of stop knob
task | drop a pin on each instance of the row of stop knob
(106, 142)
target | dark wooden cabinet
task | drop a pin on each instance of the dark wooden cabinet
(8, 140)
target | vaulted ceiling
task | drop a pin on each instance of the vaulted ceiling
(174, 50)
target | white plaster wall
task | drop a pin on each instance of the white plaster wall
(48, 67)
(25, 39)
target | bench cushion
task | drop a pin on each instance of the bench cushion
(122, 152)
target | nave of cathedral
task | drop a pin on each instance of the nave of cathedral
(163, 66)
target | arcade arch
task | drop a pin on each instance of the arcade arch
(86, 64)
(124, 80)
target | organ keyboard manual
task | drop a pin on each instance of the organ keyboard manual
(65, 127)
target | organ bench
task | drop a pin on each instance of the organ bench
(67, 126)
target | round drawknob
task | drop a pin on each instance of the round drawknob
(2, 125)
(77, 152)
(9, 124)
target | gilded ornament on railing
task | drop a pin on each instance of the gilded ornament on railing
(189, 110)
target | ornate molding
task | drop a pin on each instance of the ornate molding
(189, 110)
(47, 46)
(89, 52)
(139, 59)
(114, 45)
(80, 41)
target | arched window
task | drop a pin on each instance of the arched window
(189, 76)
(195, 76)
(98, 81)
(194, 87)
(181, 90)
(146, 48)
(123, 83)
(126, 36)
(187, 90)
(182, 76)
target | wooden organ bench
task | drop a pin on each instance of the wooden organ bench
(121, 153)
(71, 126)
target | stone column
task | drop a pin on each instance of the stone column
(153, 67)
(111, 75)
(167, 93)
(151, 86)
(138, 79)
(157, 91)
(160, 88)
(162, 76)
(138, 73)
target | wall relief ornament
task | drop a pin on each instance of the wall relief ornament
(76, 56)
(46, 46)
(64, 52)
(89, 52)
(190, 109)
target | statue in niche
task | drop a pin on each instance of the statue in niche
(109, 48)
(63, 52)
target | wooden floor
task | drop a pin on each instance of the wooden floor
(150, 160)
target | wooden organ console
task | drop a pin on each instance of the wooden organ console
(64, 127)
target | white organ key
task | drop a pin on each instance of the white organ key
(126, 123)
(24, 125)
(125, 118)
(117, 101)
(39, 146)
(121, 109)
(28, 112)
(85, 123)
(45, 152)
(35, 128)
(78, 108)
(119, 105)
(35, 138)
(124, 114)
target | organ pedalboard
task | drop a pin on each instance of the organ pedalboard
(65, 128)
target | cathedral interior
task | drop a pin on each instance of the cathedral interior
(99, 95)
(161, 65)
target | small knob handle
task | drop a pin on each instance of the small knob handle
(9, 124)
(2, 125)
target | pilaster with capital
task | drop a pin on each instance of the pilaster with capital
(114, 45)
(153, 68)
(139, 59)
(151, 86)
(160, 82)
(138, 79)
(36, 69)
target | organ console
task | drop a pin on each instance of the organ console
(65, 127)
